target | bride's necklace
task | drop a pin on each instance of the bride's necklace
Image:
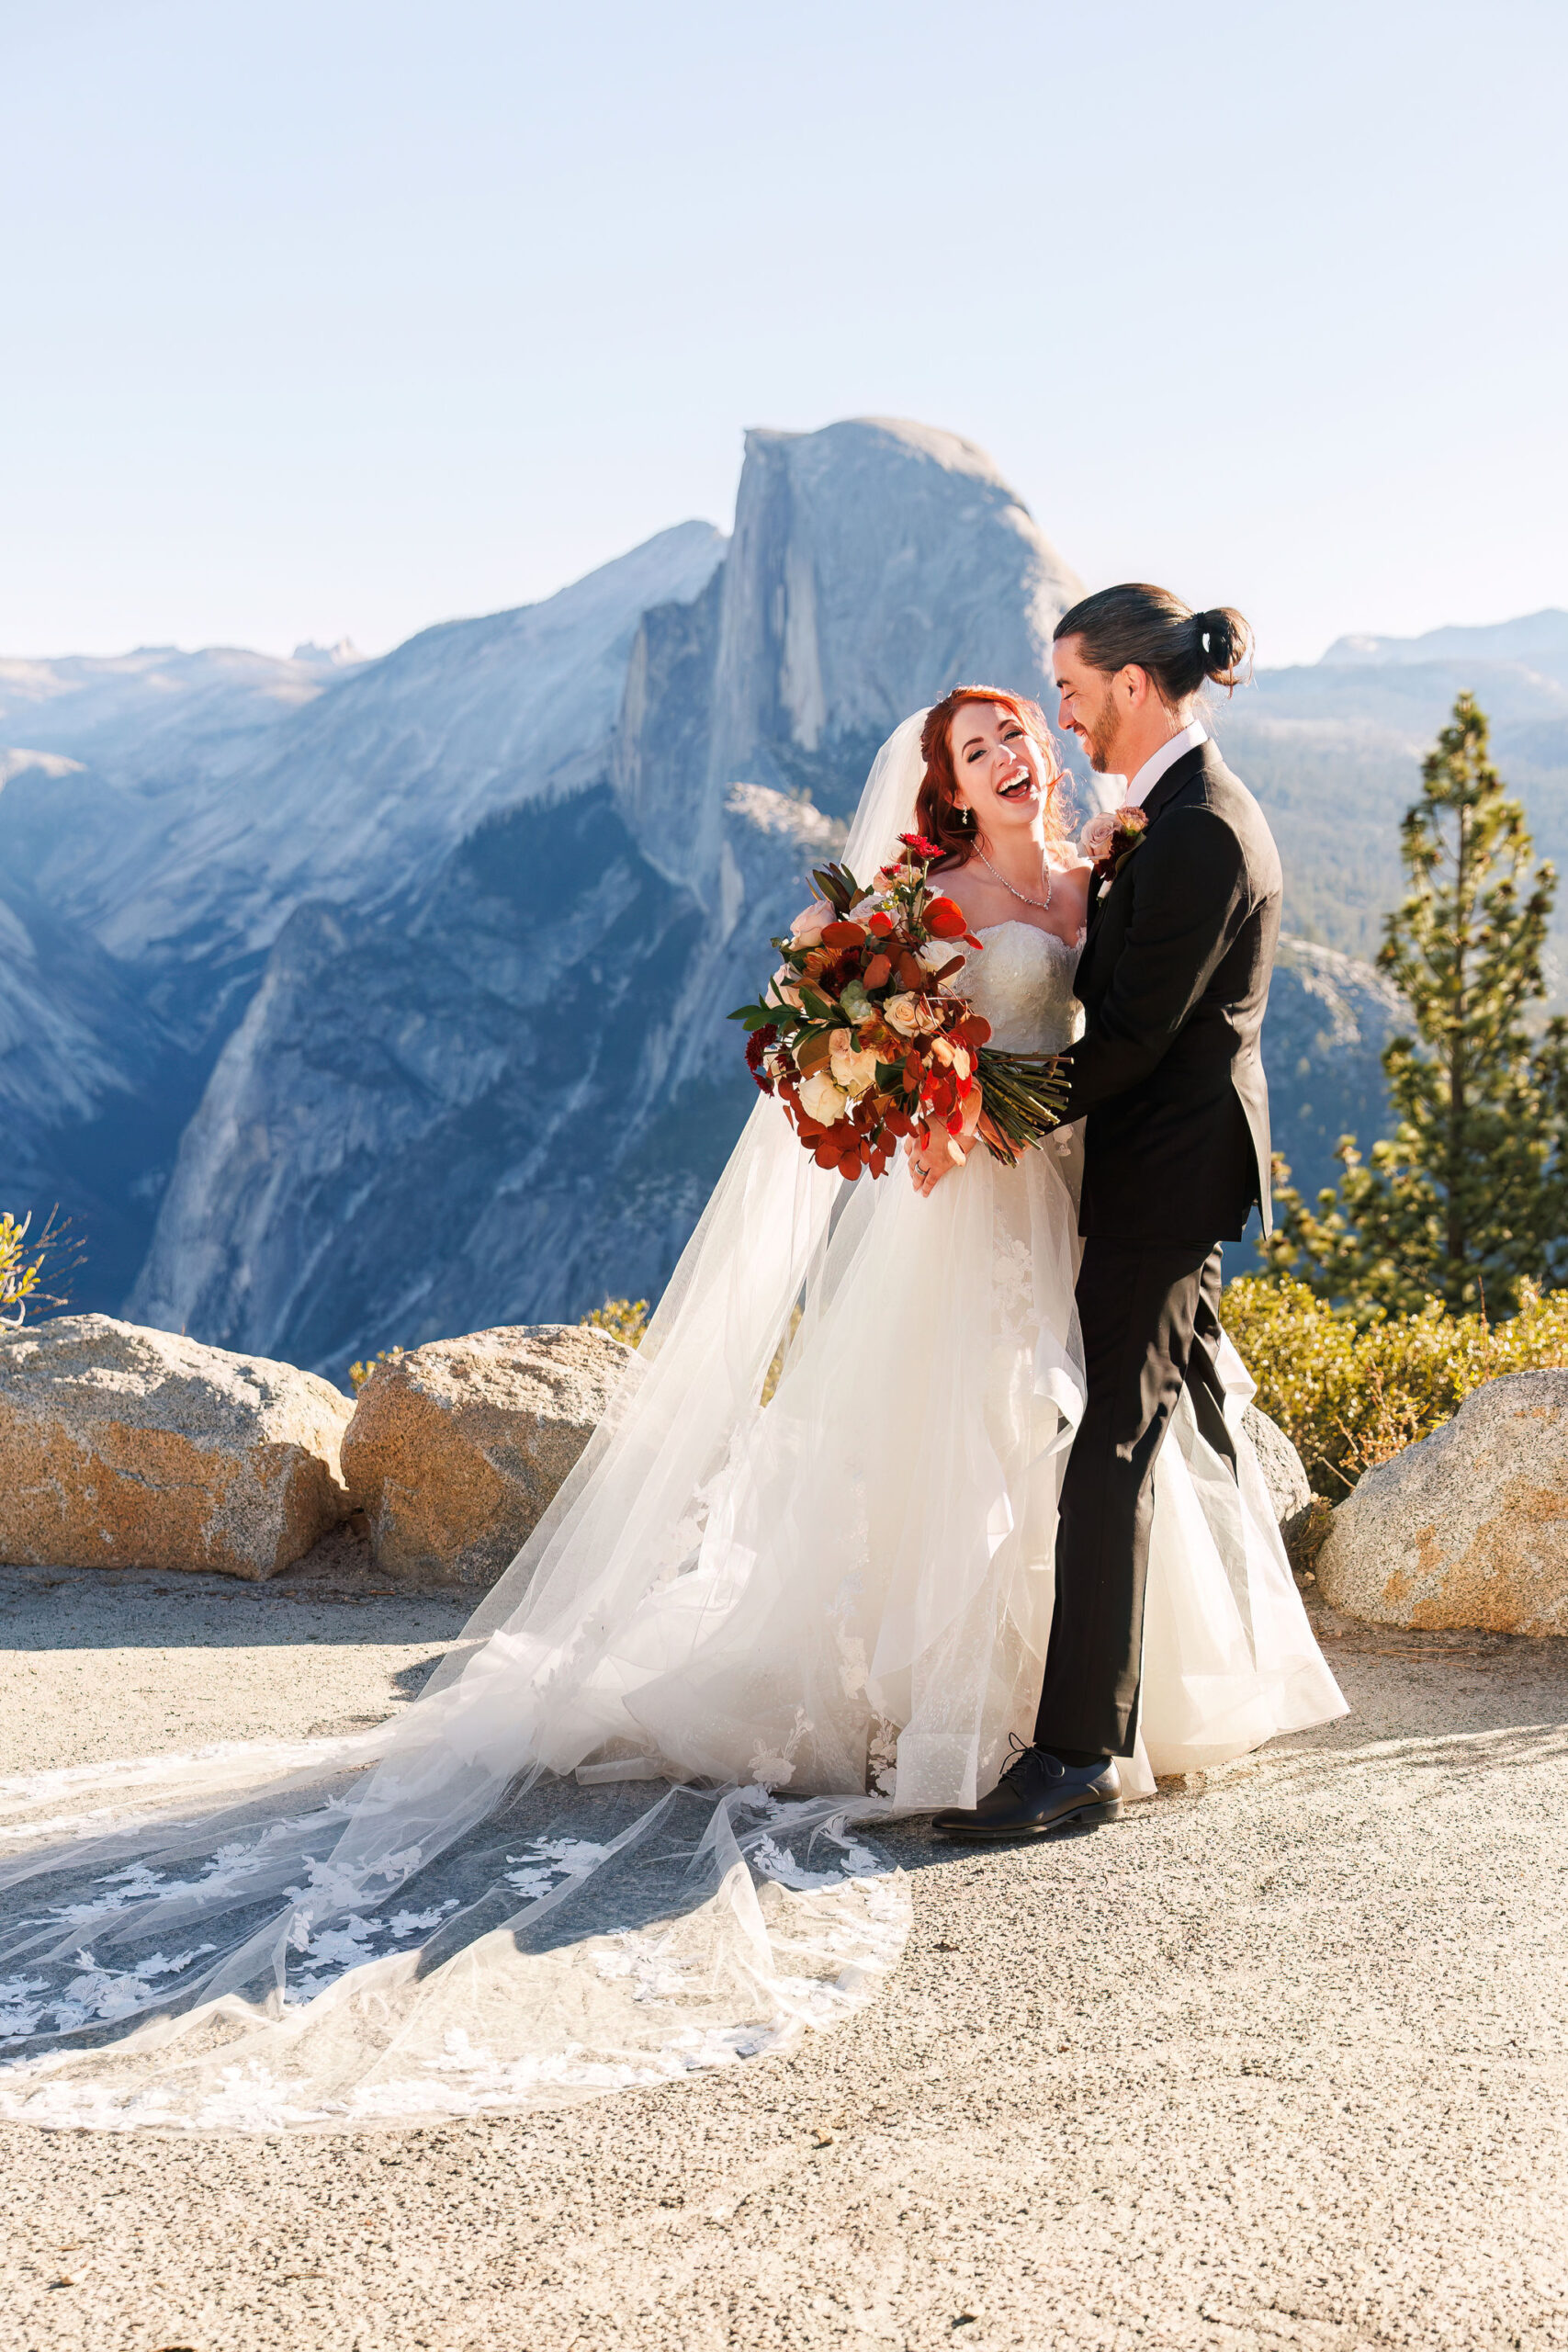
(1023, 895)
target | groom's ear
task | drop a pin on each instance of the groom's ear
(1134, 685)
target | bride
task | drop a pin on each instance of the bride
(800, 1581)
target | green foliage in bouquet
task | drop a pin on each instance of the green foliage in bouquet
(1350, 1396)
(1468, 1200)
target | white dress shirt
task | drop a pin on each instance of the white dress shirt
(1155, 766)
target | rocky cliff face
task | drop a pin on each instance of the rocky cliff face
(93, 1091)
(363, 778)
(490, 1085)
(874, 565)
(495, 1103)
(171, 812)
(395, 991)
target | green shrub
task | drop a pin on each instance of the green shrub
(624, 1319)
(1350, 1398)
(21, 1268)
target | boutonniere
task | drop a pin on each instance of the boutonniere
(1110, 840)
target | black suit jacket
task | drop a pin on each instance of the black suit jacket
(1173, 979)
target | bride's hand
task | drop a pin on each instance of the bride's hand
(940, 1153)
(930, 1161)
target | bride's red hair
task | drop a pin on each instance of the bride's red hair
(940, 805)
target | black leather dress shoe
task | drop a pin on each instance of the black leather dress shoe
(1036, 1795)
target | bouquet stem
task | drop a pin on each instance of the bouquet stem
(1025, 1096)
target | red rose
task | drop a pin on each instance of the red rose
(917, 845)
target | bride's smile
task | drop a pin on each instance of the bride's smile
(997, 763)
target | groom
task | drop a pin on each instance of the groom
(1184, 913)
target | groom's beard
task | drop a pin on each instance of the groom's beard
(1099, 744)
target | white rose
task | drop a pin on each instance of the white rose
(855, 1069)
(821, 1100)
(936, 953)
(807, 928)
(903, 1014)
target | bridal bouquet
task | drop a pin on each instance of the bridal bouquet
(863, 1041)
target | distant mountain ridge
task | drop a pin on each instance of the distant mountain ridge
(1539, 642)
(348, 1002)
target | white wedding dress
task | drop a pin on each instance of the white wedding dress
(792, 1618)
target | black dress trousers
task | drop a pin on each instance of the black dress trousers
(1150, 1321)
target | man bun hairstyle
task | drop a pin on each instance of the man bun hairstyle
(1154, 630)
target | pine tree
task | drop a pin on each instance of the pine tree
(1468, 1197)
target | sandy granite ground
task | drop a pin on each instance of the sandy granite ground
(1277, 2061)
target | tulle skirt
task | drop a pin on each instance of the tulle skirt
(867, 1599)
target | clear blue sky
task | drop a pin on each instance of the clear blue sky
(355, 315)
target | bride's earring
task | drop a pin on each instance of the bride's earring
(964, 818)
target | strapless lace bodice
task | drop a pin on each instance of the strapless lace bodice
(1023, 984)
